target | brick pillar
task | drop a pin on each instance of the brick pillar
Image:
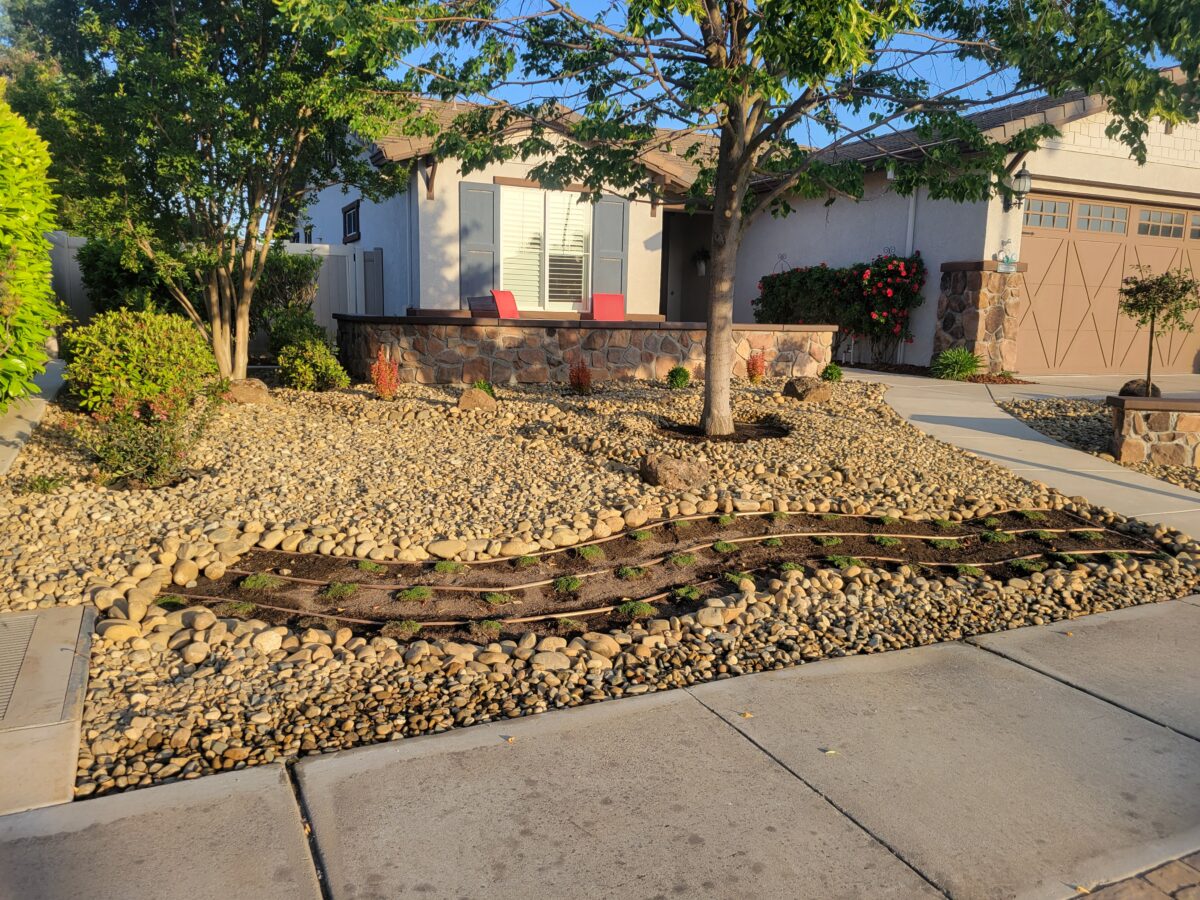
(979, 308)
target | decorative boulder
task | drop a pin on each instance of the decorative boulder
(1137, 388)
(808, 390)
(477, 398)
(673, 474)
(249, 390)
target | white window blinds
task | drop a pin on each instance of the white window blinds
(546, 247)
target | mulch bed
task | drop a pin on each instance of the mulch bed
(743, 432)
(923, 372)
(458, 600)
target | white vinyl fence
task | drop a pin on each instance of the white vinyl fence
(65, 276)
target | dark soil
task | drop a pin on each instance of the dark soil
(923, 372)
(744, 432)
(455, 601)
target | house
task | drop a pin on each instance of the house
(1031, 288)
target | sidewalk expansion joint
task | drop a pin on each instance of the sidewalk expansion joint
(314, 850)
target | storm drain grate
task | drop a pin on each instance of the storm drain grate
(15, 634)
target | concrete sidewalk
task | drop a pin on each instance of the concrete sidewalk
(966, 415)
(1031, 763)
(22, 416)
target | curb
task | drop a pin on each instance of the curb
(17, 424)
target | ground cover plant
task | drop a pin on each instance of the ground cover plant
(955, 364)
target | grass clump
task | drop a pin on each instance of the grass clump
(777, 516)
(968, 570)
(955, 364)
(888, 520)
(260, 581)
(42, 484)
(687, 592)
(630, 573)
(791, 567)
(945, 543)
(991, 522)
(401, 629)
(447, 567)
(568, 624)
(830, 517)
(1069, 558)
(773, 543)
(486, 629)
(1116, 556)
(639, 536)
(240, 608)
(1028, 566)
(170, 602)
(944, 524)
(524, 562)
(997, 537)
(726, 520)
(827, 540)
(724, 547)
(1032, 515)
(682, 560)
(843, 562)
(736, 578)
(1044, 536)
(635, 609)
(418, 593)
(682, 524)
(1090, 536)
(567, 584)
(496, 598)
(366, 565)
(884, 541)
(590, 553)
(338, 590)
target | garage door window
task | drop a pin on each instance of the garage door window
(1195, 235)
(1047, 213)
(1094, 217)
(1160, 223)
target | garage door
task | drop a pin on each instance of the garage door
(1078, 250)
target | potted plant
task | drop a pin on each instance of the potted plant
(1159, 301)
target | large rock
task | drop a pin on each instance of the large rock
(447, 549)
(808, 390)
(477, 398)
(249, 390)
(1137, 388)
(672, 473)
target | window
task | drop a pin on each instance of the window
(1047, 213)
(1160, 223)
(1195, 235)
(545, 247)
(1095, 217)
(350, 222)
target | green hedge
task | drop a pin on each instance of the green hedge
(28, 310)
(872, 300)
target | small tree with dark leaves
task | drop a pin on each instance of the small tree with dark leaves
(1159, 301)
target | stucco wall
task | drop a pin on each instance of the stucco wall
(847, 232)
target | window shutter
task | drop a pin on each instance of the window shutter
(524, 238)
(478, 237)
(610, 245)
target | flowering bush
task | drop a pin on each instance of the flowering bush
(872, 300)
(756, 366)
(580, 377)
(385, 376)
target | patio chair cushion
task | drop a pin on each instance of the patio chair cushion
(483, 307)
(608, 307)
(506, 304)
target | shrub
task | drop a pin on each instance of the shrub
(28, 310)
(149, 382)
(284, 296)
(311, 366)
(831, 372)
(119, 276)
(580, 377)
(756, 366)
(485, 386)
(385, 376)
(678, 378)
(955, 364)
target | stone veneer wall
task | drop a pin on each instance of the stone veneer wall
(979, 308)
(460, 351)
(1164, 437)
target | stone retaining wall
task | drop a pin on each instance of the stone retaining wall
(461, 351)
(1150, 431)
(979, 308)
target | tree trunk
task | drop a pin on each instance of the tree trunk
(717, 418)
(241, 338)
(1150, 357)
(218, 325)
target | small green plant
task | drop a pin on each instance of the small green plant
(1032, 515)
(944, 524)
(678, 378)
(566, 623)
(635, 609)
(1068, 558)
(682, 560)
(311, 366)
(486, 629)
(830, 517)
(777, 517)
(724, 547)
(884, 541)
(725, 520)
(968, 570)
(736, 578)
(792, 567)
(945, 543)
(630, 573)
(239, 608)
(418, 593)
(338, 590)
(567, 584)
(843, 562)
(1116, 556)
(524, 562)
(447, 567)
(1046, 537)
(955, 364)
(367, 565)
(687, 592)
(401, 629)
(888, 520)
(1089, 536)
(261, 581)
(827, 540)
(496, 598)
(171, 602)
(1028, 566)
(485, 386)
(639, 536)
(590, 553)
(831, 372)
(996, 537)
(682, 524)
(42, 484)
(991, 522)
(774, 543)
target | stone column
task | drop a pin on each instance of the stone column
(979, 308)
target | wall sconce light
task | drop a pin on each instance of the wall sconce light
(700, 260)
(1019, 187)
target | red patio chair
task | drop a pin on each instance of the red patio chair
(506, 304)
(608, 307)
